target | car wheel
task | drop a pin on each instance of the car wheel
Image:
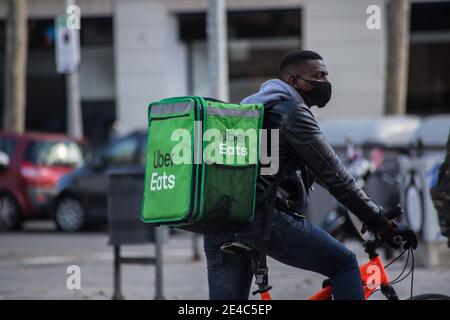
(9, 213)
(70, 216)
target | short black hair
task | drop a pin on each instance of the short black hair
(295, 59)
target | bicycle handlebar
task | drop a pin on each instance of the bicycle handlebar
(391, 215)
(394, 213)
(372, 245)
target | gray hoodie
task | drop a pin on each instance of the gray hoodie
(274, 90)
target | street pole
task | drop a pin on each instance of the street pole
(74, 116)
(15, 66)
(398, 57)
(159, 295)
(217, 49)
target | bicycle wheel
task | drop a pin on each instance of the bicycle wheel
(430, 296)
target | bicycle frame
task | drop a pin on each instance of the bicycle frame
(373, 273)
(373, 276)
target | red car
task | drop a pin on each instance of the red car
(30, 165)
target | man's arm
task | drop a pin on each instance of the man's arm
(307, 141)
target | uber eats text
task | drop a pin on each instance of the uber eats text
(164, 181)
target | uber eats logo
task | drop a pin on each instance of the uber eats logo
(164, 181)
(230, 146)
(232, 143)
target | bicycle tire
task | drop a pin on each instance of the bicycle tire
(430, 296)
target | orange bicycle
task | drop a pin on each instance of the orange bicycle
(373, 273)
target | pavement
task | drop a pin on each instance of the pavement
(34, 262)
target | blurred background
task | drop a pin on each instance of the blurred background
(73, 109)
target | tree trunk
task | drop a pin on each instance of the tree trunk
(15, 66)
(397, 57)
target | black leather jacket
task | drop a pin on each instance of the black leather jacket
(304, 157)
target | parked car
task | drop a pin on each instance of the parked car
(30, 167)
(81, 198)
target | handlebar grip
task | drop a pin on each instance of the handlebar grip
(398, 240)
(394, 213)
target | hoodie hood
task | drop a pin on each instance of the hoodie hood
(274, 90)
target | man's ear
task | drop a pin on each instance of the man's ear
(292, 81)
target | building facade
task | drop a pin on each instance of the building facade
(137, 51)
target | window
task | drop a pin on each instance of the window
(142, 152)
(122, 152)
(7, 146)
(257, 41)
(429, 78)
(55, 153)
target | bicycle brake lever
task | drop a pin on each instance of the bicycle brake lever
(394, 213)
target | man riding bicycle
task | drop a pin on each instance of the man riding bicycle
(305, 157)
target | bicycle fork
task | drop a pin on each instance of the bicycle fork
(388, 292)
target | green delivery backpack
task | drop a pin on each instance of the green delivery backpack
(202, 163)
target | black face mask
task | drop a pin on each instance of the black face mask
(319, 95)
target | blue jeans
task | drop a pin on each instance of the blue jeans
(294, 241)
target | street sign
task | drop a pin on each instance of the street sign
(67, 46)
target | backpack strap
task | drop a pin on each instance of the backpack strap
(268, 197)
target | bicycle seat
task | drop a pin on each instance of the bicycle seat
(258, 263)
(236, 247)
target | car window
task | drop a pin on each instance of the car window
(7, 145)
(142, 152)
(122, 152)
(55, 153)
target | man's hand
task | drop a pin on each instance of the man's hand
(394, 235)
(389, 231)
